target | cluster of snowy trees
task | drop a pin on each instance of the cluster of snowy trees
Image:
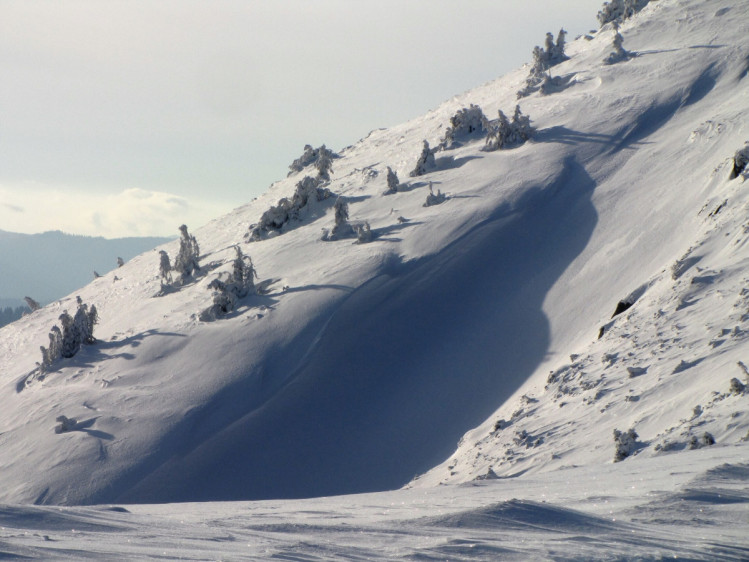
(505, 133)
(65, 341)
(619, 10)
(543, 59)
(321, 157)
(185, 264)
(308, 192)
(239, 283)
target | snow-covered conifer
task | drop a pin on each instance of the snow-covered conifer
(120, 262)
(434, 198)
(324, 163)
(504, 133)
(499, 133)
(425, 162)
(556, 52)
(536, 75)
(33, 305)
(165, 267)
(70, 341)
(392, 181)
(243, 274)
(363, 232)
(740, 162)
(625, 443)
(186, 262)
(618, 54)
(521, 127)
(341, 228)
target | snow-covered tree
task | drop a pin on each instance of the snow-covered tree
(70, 341)
(165, 268)
(740, 162)
(33, 305)
(434, 198)
(120, 262)
(341, 228)
(467, 121)
(324, 163)
(240, 283)
(54, 351)
(243, 274)
(186, 262)
(363, 232)
(392, 181)
(618, 54)
(556, 51)
(425, 162)
(625, 443)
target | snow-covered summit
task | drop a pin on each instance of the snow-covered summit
(360, 364)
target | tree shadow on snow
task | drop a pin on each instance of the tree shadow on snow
(384, 388)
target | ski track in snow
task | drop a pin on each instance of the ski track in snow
(485, 320)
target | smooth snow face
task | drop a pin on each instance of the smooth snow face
(362, 365)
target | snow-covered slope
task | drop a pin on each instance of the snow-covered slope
(362, 365)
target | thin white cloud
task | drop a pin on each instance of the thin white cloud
(131, 212)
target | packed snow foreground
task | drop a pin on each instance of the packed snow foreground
(563, 294)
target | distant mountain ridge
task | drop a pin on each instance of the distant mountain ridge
(50, 265)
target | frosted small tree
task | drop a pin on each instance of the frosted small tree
(363, 233)
(392, 181)
(618, 54)
(54, 352)
(70, 341)
(537, 73)
(81, 325)
(425, 162)
(499, 133)
(324, 163)
(243, 274)
(341, 228)
(625, 443)
(33, 305)
(186, 262)
(434, 198)
(120, 262)
(165, 268)
(556, 51)
(521, 127)
(740, 162)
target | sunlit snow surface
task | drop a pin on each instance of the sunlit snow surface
(689, 506)
(473, 323)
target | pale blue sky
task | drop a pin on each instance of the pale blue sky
(130, 117)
